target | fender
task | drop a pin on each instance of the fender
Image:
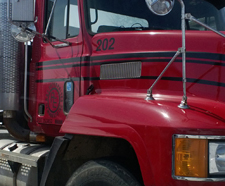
(101, 116)
(147, 125)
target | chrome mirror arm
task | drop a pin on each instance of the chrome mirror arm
(192, 18)
(184, 16)
(183, 104)
(149, 92)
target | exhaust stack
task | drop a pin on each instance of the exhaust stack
(11, 64)
(13, 61)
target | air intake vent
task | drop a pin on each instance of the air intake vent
(121, 70)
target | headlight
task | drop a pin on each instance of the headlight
(199, 158)
(217, 158)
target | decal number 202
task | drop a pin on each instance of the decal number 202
(105, 44)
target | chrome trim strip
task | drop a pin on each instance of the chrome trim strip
(198, 179)
(199, 137)
(25, 83)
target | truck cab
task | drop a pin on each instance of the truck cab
(113, 92)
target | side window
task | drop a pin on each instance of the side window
(65, 18)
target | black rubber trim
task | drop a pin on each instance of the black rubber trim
(56, 153)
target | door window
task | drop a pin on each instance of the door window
(65, 18)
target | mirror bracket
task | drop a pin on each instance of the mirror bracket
(149, 92)
(188, 16)
(161, 3)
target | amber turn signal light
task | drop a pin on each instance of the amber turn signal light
(191, 157)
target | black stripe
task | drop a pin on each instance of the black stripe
(189, 80)
(56, 80)
(59, 61)
(209, 56)
(133, 55)
(206, 62)
(204, 55)
(58, 67)
(206, 82)
(90, 78)
(124, 61)
(84, 64)
(66, 79)
(105, 57)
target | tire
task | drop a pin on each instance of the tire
(102, 173)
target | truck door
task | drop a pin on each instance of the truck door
(58, 66)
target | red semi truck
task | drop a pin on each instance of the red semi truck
(112, 93)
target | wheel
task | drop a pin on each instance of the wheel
(102, 173)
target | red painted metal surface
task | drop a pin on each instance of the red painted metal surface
(147, 125)
(51, 68)
(116, 108)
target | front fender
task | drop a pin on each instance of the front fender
(109, 117)
(147, 125)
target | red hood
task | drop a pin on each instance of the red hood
(205, 61)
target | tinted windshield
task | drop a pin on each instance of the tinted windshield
(128, 15)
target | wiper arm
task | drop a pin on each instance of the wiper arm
(192, 18)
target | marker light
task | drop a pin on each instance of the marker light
(37, 137)
(40, 138)
(191, 157)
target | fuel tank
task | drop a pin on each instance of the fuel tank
(21, 164)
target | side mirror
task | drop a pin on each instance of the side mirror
(23, 10)
(160, 7)
(21, 18)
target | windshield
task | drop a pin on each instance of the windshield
(128, 15)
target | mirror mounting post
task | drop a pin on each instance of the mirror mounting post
(192, 18)
(183, 104)
(149, 92)
(163, 8)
